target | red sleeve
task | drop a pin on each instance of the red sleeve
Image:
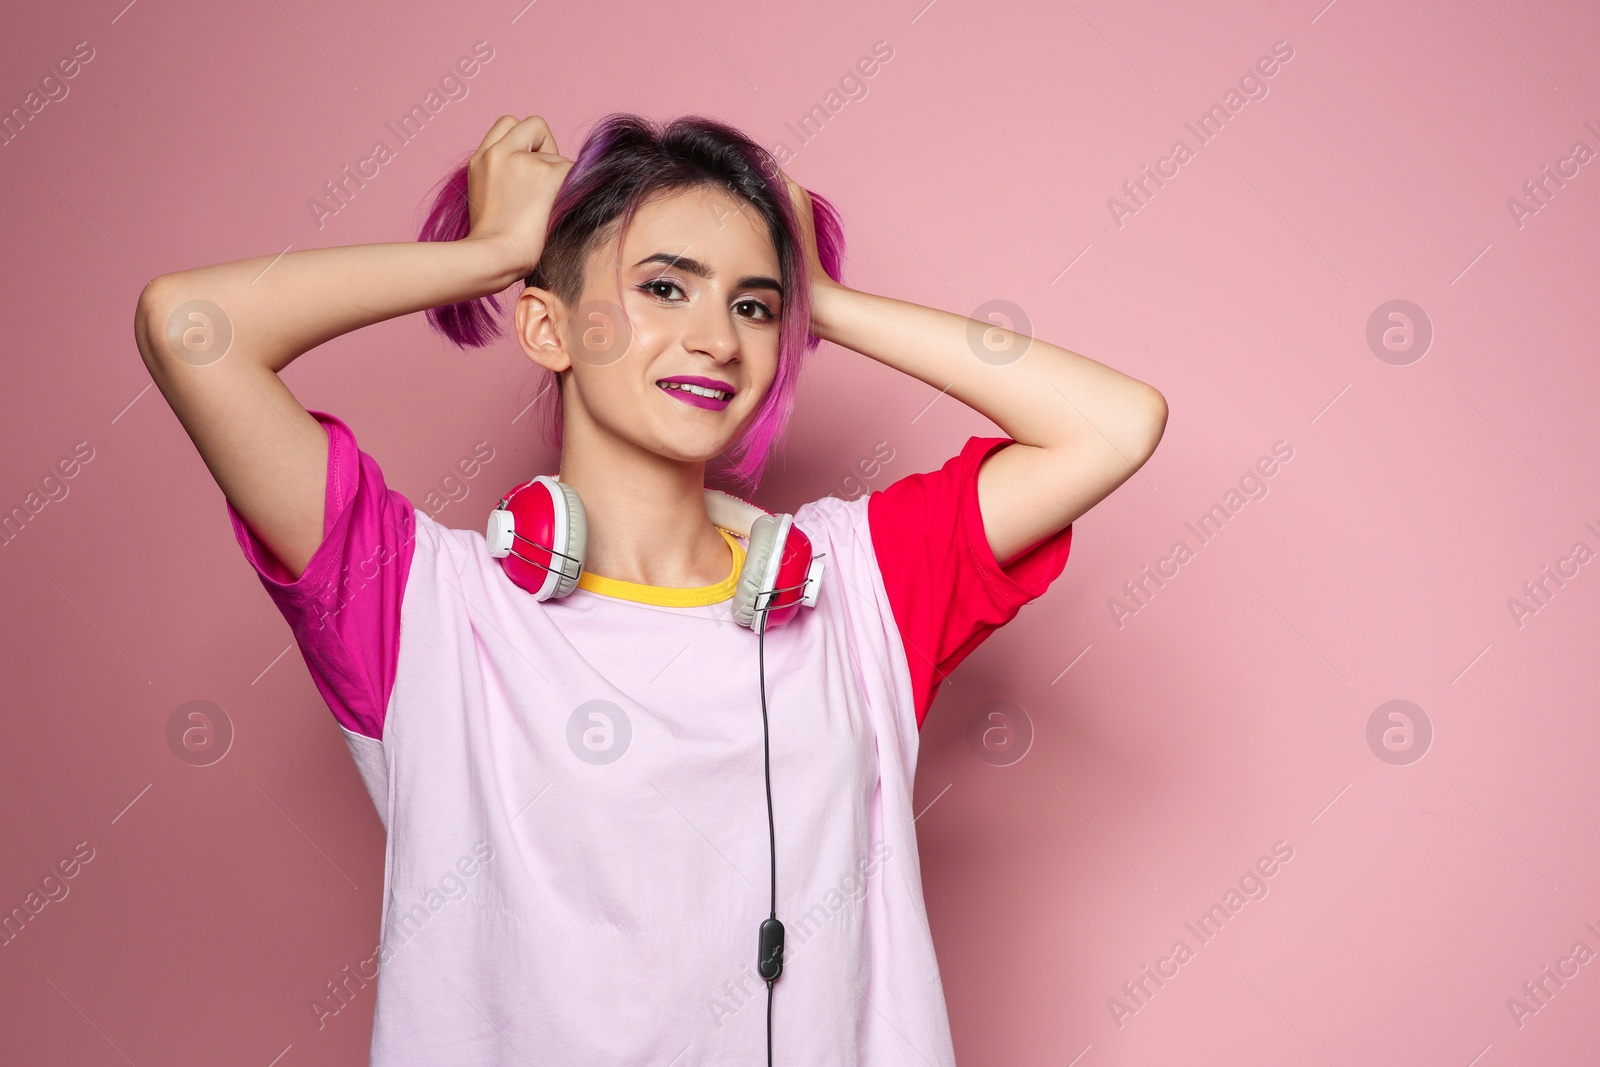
(344, 610)
(946, 589)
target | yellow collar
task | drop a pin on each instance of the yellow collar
(669, 596)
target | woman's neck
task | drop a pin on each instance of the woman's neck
(646, 515)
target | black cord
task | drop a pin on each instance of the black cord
(772, 833)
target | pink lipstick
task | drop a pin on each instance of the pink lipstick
(709, 393)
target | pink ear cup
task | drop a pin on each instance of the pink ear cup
(783, 573)
(533, 519)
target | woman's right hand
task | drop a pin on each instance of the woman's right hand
(512, 181)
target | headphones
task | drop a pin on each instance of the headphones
(781, 574)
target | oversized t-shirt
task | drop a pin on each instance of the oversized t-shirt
(577, 859)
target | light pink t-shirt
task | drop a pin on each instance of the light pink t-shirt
(577, 855)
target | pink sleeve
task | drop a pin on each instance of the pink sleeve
(344, 611)
(946, 589)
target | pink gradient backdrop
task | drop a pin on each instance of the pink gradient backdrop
(1229, 713)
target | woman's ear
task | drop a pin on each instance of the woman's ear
(539, 317)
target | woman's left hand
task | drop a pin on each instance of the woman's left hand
(808, 229)
(825, 292)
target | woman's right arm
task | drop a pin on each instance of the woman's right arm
(267, 453)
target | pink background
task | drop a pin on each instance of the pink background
(1229, 713)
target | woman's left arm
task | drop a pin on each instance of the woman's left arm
(1081, 429)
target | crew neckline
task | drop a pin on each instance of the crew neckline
(671, 596)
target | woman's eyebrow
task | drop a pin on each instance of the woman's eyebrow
(701, 270)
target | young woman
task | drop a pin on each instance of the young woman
(581, 858)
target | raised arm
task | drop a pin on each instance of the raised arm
(1081, 428)
(266, 452)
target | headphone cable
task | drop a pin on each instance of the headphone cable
(772, 834)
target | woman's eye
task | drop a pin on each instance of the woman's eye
(756, 304)
(654, 287)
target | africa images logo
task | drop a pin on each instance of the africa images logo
(1252, 885)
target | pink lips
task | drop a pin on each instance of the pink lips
(710, 403)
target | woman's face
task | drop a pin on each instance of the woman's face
(700, 285)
